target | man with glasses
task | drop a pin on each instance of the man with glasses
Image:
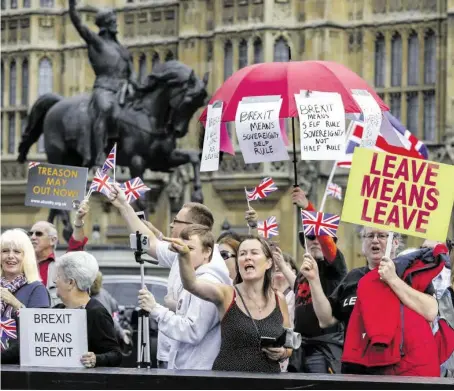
(44, 238)
(321, 351)
(190, 213)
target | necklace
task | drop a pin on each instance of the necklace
(258, 307)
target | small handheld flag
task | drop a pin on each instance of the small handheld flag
(110, 161)
(32, 164)
(262, 190)
(101, 183)
(335, 191)
(268, 228)
(319, 224)
(8, 330)
(134, 189)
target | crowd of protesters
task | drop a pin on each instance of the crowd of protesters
(240, 303)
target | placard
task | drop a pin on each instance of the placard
(258, 131)
(54, 186)
(400, 194)
(212, 139)
(322, 125)
(372, 117)
(51, 337)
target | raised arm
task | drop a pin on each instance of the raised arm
(118, 199)
(284, 267)
(87, 35)
(422, 303)
(322, 306)
(206, 290)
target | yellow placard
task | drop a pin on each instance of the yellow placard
(401, 194)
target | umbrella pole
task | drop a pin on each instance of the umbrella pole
(295, 172)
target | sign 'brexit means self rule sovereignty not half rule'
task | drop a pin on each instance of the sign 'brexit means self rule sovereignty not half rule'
(400, 194)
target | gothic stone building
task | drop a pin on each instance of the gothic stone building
(405, 48)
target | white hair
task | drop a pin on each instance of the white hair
(79, 266)
(407, 251)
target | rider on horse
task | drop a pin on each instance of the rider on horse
(113, 67)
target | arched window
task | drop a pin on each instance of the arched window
(45, 78)
(380, 61)
(430, 113)
(242, 54)
(11, 132)
(430, 58)
(396, 60)
(25, 81)
(142, 67)
(281, 50)
(258, 51)
(413, 59)
(155, 60)
(3, 83)
(13, 4)
(228, 60)
(170, 56)
(395, 105)
(12, 83)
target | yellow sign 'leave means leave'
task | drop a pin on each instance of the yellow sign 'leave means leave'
(401, 194)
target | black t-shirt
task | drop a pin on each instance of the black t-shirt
(306, 322)
(343, 298)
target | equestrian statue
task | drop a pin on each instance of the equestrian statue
(144, 120)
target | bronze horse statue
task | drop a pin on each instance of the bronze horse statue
(145, 128)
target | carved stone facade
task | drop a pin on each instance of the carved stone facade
(220, 36)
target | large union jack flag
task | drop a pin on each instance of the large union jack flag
(7, 330)
(268, 228)
(262, 190)
(319, 224)
(393, 138)
(334, 191)
(32, 164)
(101, 183)
(134, 189)
(110, 161)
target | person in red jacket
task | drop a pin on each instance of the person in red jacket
(339, 306)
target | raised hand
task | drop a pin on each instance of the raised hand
(83, 210)
(251, 217)
(299, 198)
(309, 268)
(117, 196)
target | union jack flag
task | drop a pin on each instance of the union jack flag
(319, 224)
(262, 190)
(393, 138)
(110, 161)
(134, 189)
(268, 228)
(7, 330)
(101, 183)
(334, 191)
(32, 164)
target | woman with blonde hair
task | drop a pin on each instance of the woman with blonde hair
(21, 286)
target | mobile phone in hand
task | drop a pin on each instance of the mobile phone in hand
(141, 215)
(267, 342)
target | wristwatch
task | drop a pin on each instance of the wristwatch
(79, 226)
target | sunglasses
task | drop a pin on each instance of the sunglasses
(311, 237)
(38, 234)
(227, 255)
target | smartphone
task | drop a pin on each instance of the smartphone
(144, 240)
(141, 215)
(267, 342)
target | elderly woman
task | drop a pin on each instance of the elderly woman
(20, 282)
(76, 272)
(251, 311)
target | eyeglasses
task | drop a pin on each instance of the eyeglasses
(38, 234)
(380, 236)
(227, 255)
(175, 221)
